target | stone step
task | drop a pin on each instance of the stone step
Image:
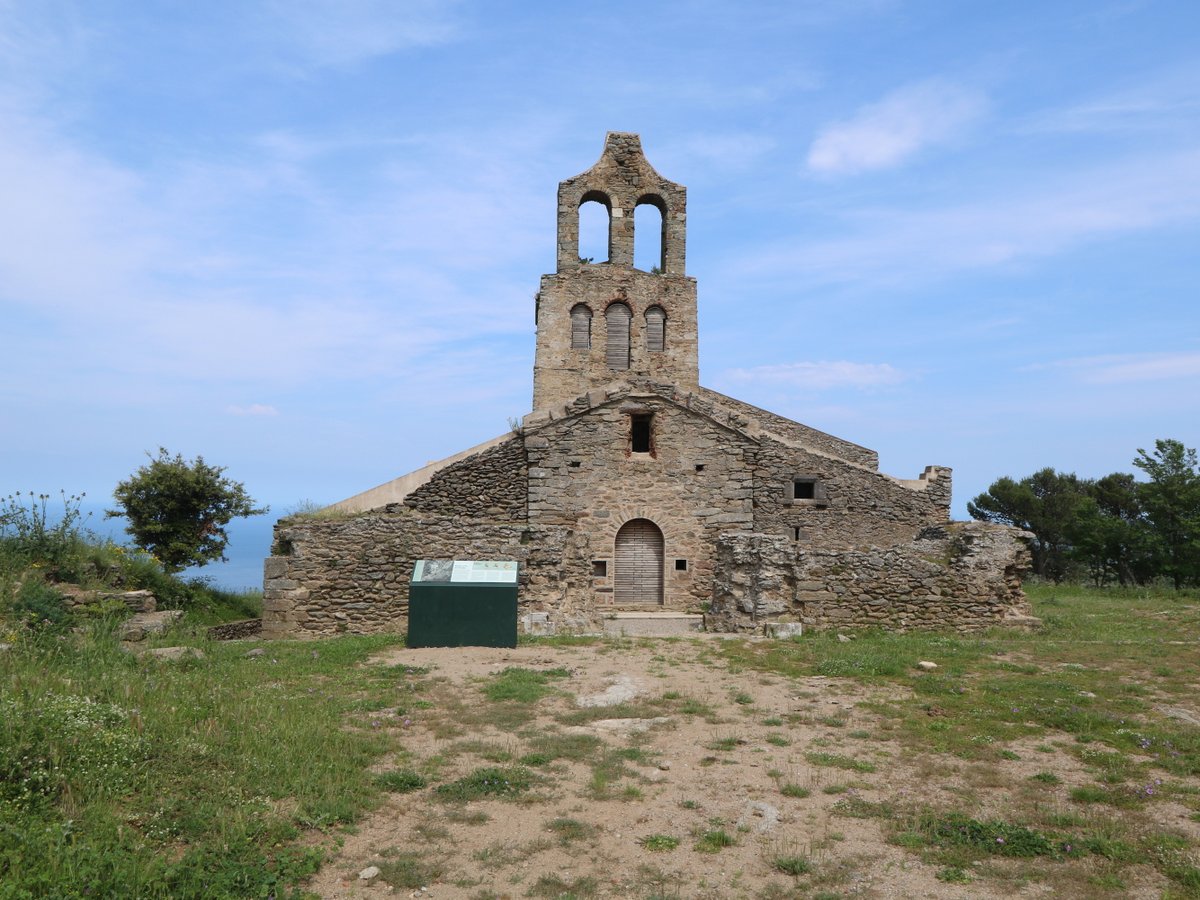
(653, 624)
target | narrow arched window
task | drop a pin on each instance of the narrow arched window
(649, 217)
(581, 327)
(616, 346)
(656, 329)
(595, 227)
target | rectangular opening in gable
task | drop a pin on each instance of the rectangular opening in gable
(599, 568)
(804, 489)
(639, 432)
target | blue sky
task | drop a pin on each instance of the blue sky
(302, 237)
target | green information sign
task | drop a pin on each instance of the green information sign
(463, 603)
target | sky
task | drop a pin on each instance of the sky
(301, 238)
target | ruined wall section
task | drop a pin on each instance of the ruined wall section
(853, 506)
(795, 432)
(351, 575)
(488, 485)
(963, 576)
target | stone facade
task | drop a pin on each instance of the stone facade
(630, 486)
(964, 575)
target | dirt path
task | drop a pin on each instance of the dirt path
(657, 742)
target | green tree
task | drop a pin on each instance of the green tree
(1171, 501)
(1046, 504)
(1110, 534)
(178, 509)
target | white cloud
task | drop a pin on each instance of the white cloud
(887, 133)
(254, 409)
(1167, 100)
(1129, 368)
(1037, 219)
(344, 32)
(821, 375)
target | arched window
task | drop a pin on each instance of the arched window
(616, 346)
(656, 329)
(595, 227)
(649, 233)
(581, 327)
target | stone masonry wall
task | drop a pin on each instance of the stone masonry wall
(795, 432)
(562, 372)
(695, 483)
(857, 507)
(963, 576)
(489, 485)
(352, 574)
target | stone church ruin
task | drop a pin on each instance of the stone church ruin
(630, 488)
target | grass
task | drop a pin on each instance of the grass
(838, 761)
(400, 781)
(188, 780)
(486, 782)
(792, 865)
(659, 843)
(1090, 685)
(517, 685)
(714, 841)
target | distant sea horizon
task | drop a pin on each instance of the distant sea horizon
(249, 544)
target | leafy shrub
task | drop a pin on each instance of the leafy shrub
(38, 606)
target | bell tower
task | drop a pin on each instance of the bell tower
(603, 322)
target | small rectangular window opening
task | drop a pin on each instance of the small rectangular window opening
(681, 565)
(574, 464)
(795, 534)
(804, 489)
(699, 467)
(639, 432)
(599, 568)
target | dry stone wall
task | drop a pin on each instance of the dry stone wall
(794, 432)
(964, 576)
(487, 485)
(352, 574)
(855, 506)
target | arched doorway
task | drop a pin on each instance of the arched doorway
(639, 564)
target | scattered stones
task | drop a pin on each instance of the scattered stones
(4, 648)
(620, 726)
(784, 630)
(761, 818)
(843, 638)
(255, 653)
(141, 625)
(1087, 694)
(174, 654)
(927, 665)
(369, 874)
(621, 689)
(1179, 714)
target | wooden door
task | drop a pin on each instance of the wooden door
(639, 564)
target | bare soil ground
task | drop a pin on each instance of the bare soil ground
(658, 742)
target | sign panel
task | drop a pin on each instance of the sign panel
(464, 571)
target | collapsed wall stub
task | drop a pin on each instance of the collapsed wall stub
(630, 486)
